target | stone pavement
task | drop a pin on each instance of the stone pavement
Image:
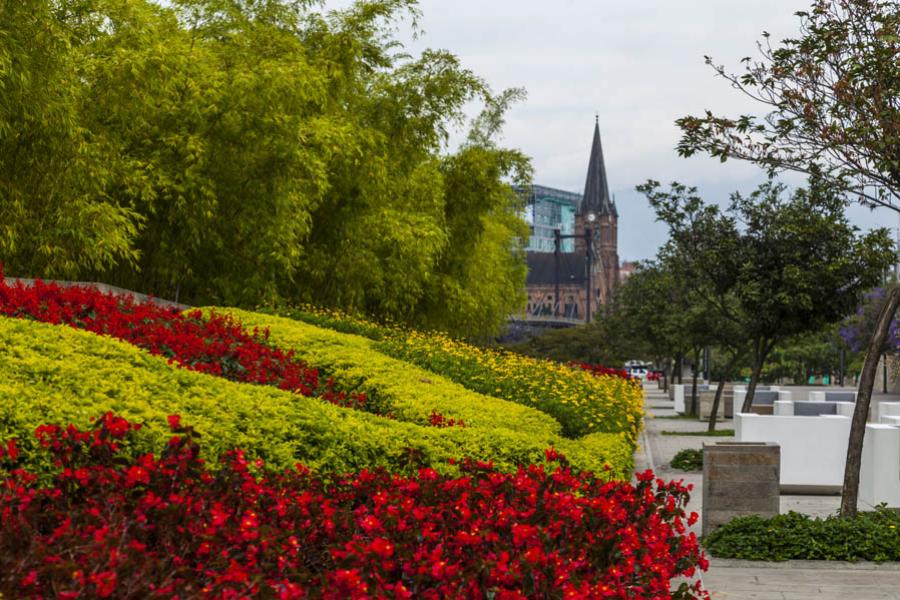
(752, 580)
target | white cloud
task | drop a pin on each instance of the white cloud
(638, 64)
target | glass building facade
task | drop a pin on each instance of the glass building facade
(550, 209)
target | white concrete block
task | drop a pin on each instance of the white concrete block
(813, 449)
(879, 477)
(783, 408)
(845, 409)
(888, 409)
(679, 398)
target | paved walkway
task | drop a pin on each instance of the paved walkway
(752, 580)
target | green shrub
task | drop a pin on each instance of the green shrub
(869, 536)
(689, 459)
(408, 392)
(56, 374)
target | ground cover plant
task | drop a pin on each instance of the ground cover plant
(580, 402)
(158, 524)
(873, 536)
(689, 459)
(716, 433)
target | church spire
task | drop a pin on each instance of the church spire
(596, 189)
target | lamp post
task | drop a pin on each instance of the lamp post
(589, 255)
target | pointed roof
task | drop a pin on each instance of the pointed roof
(596, 189)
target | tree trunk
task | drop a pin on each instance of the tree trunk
(850, 491)
(695, 410)
(754, 378)
(679, 367)
(715, 407)
(666, 369)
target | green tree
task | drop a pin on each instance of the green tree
(256, 152)
(654, 306)
(701, 249)
(832, 95)
(795, 267)
(479, 279)
(56, 217)
(818, 352)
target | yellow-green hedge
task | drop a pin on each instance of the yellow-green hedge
(581, 402)
(56, 374)
(409, 392)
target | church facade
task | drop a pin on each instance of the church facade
(558, 281)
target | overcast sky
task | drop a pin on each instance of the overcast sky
(639, 65)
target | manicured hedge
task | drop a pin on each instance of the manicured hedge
(56, 374)
(581, 402)
(408, 392)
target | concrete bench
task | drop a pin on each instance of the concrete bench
(808, 408)
(813, 449)
(879, 476)
(764, 401)
(840, 396)
(887, 411)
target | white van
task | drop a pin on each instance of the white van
(637, 369)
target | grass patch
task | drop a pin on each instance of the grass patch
(689, 459)
(678, 417)
(871, 536)
(716, 433)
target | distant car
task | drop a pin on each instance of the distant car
(637, 369)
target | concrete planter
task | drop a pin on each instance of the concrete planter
(726, 403)
(681, 395)
(739, 479)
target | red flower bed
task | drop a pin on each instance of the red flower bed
(601, 370)
(157, 527)
(217, 345)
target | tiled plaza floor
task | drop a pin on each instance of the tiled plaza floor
(750, 580)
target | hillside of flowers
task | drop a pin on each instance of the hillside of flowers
(222, 453)
(171, 525)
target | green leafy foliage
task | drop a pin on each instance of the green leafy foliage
(829, 94)
(243, 152)
(871, 536)
(57, 218)
(689, 459)
(795, 266)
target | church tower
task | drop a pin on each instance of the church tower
(597, 213)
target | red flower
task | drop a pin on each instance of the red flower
(164, 525)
